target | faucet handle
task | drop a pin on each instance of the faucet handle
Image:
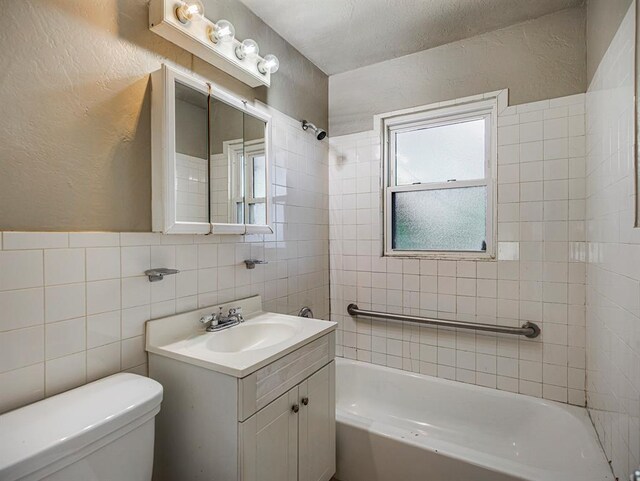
(236, 311)
(214, 319)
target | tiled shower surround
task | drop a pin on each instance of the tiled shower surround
(613, 268)
(73, 305)
(539, 274)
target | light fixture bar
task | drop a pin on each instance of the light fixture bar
(185, 25)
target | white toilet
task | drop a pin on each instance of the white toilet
(102, 431)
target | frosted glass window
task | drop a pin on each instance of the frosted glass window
(441, 153)
(439, 187)
(440, 220)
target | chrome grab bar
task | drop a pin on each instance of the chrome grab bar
(528, 329)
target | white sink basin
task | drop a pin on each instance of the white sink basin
(239, 350)
(250, 336)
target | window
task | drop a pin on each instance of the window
(234, 152)
(256, 182)
(439, 187)
(249, 180)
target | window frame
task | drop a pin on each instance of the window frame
(252, 149)
(415, 119)
(233, 151)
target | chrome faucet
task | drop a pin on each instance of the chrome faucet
(218, 321)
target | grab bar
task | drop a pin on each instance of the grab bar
(528, 329)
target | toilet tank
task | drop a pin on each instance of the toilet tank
(102, 431)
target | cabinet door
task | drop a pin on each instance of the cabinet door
(179, 151)
(269, 441)
(317, 426)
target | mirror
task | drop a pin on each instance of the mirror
(238, 156)
(255, 167)
(226, 130)
(191, 154)
(210, 159)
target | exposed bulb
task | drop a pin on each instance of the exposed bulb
(222, 31)
(187, 9)
(247, 49)
(269, 63)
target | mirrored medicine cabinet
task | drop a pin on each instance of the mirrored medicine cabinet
(210, 159)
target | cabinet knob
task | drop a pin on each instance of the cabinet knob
(295, 408)
(305, 400)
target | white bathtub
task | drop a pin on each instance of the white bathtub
(397, 426)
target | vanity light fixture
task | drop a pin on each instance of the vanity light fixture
(222, 31)
(183, 22)
(187, 9)
(269, 63)
(247, 49)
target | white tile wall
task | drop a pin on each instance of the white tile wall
(191, 188)
(73, 305)
(539, 274)
(219, 188)
(613, 267)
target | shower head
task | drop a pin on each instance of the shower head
(320, 134)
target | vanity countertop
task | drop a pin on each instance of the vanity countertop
(239, 350)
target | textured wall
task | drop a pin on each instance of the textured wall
(299, 89)
(75, 148)
(613, 264)
(603, 19)
(539, 59)
(379, 30)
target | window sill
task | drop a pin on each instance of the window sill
(443, 256)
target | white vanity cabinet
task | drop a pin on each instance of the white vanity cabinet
(276, 423)
(293, 438)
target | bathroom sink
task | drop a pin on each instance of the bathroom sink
(239, 350)
(250, 336)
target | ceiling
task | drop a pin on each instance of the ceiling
(341, 35)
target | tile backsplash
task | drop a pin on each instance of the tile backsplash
(539, 274)
(73, 305)
(613, 266)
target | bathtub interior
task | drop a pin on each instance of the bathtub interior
(491, 428)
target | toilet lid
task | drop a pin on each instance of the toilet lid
(43, 433)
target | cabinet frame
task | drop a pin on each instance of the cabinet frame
(163, 155)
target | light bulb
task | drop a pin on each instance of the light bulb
(269, 63)
(222, 31)
(248, 48)
(187, 9)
